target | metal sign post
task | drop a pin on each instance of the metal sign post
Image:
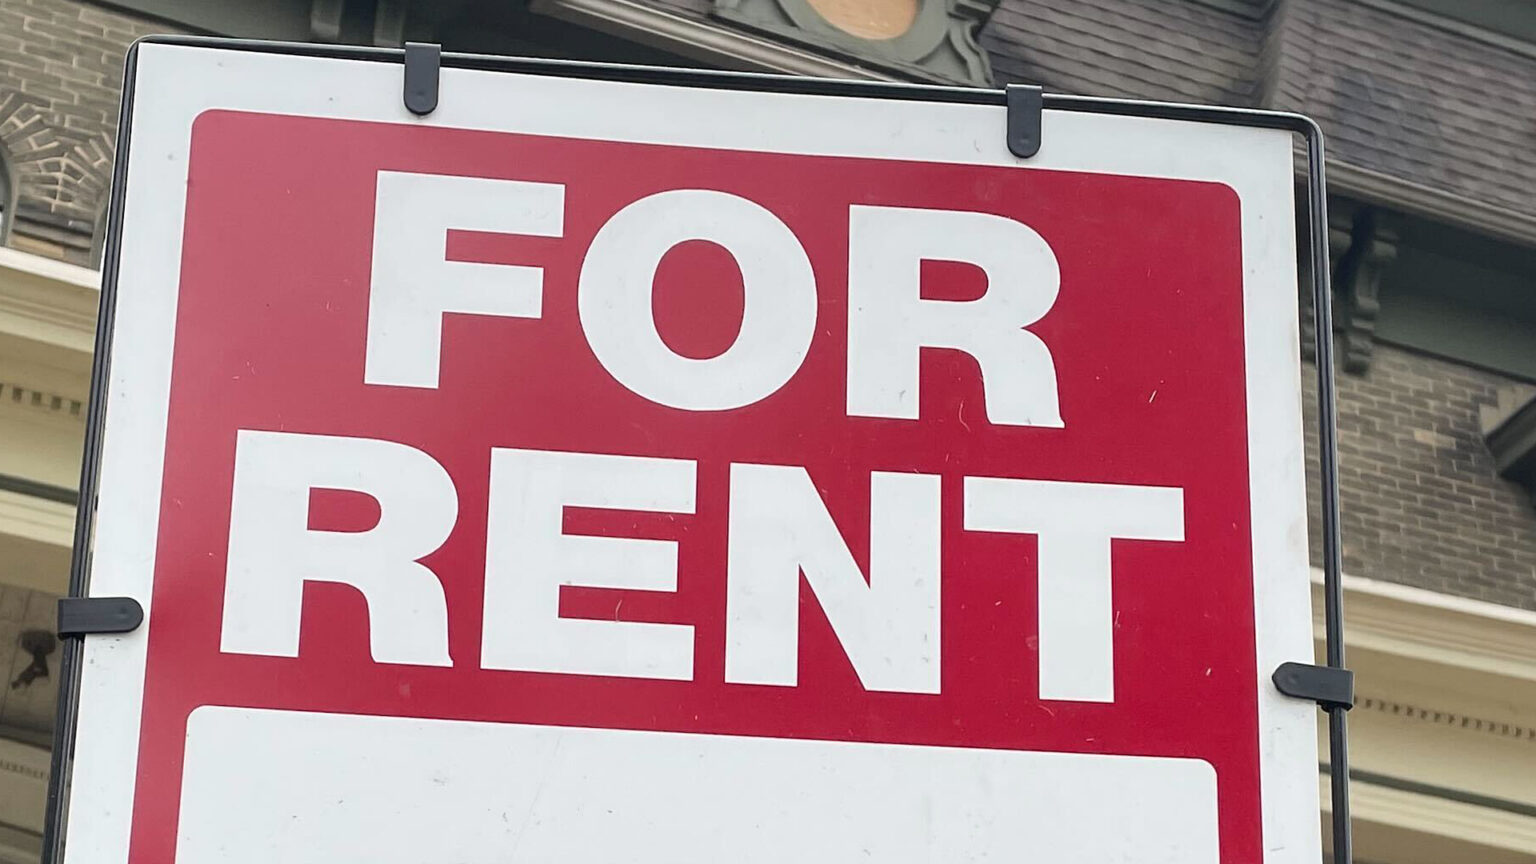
(612, 569)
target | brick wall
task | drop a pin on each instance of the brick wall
(61, 65)
(1421, 503)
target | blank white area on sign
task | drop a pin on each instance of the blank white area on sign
(267, 786)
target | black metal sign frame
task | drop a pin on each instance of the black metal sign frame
(1329, 685)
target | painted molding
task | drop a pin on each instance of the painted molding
(37, 519)
(23, 785)
(48, 301)
(700, 40)
(1487, 835)
(34, 489)
(1431, 627)
(39, 400)
(1450, 719)
(16, 261)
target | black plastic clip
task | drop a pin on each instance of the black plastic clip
(84, 616)
(423, 60)
(1328, 686)
(1025, 103)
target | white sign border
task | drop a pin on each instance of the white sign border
(174, 84)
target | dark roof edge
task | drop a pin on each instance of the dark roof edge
(1488, 37)
(1251, 10)
(1417, 198)
(34, 489)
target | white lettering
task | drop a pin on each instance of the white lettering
(889, 626)
(413, 284)
(778, 316)
(529, 557)
(272, 551)
(889, 322)
(1075, 523)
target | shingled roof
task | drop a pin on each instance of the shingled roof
(1142, 49)
(1404, 98)
(1424, 115)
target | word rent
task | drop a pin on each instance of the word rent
(779, 528)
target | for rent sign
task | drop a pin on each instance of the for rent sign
(616, 472)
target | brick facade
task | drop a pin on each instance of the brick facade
(1421, 503)
(61, 69)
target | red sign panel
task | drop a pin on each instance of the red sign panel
(1145, 336)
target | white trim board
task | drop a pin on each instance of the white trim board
(1435, 628)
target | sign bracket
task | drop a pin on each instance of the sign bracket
(1025, 104)
(423, 63)
(1329, 687)
(87, 616)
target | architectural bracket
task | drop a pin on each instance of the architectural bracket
(1362, 251)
